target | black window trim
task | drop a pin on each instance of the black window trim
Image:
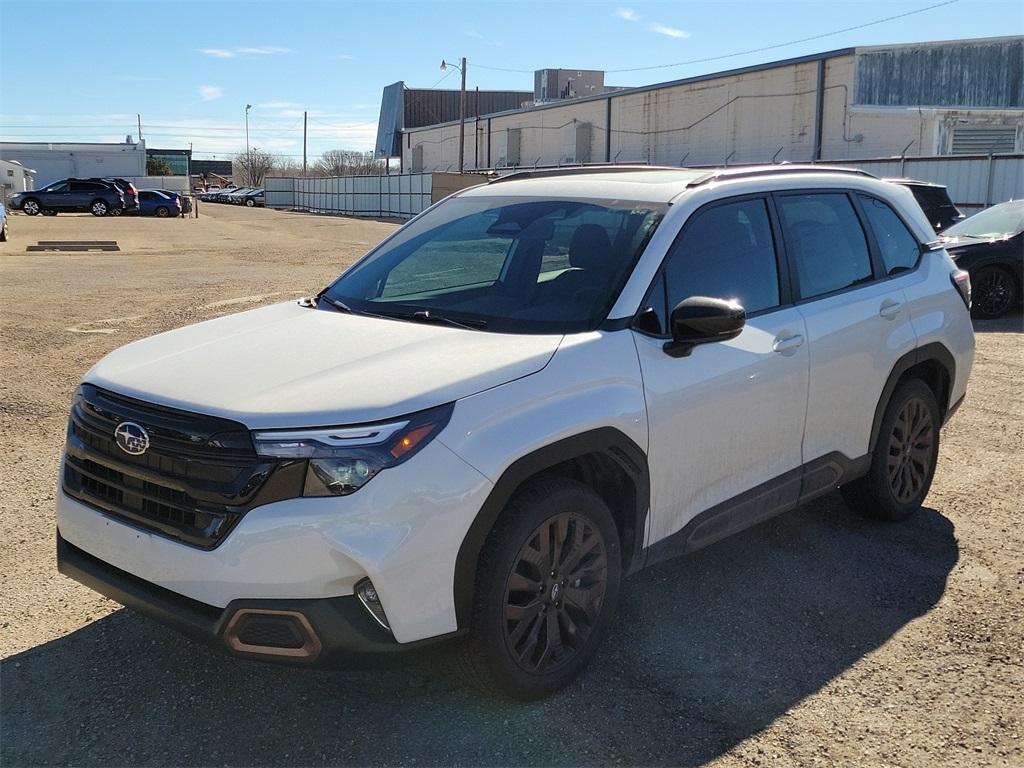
(922, 248)
(874, 252)
(781, 262)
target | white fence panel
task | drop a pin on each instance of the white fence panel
(399, 196)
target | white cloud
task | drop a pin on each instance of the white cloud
(662, 29)
(343, 56)
(210, 92)
(627, 13)
(474, 33)
(231, 53)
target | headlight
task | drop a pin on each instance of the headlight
(341, 460)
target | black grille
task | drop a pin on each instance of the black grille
(199, 476)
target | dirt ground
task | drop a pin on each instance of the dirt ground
(814, 639)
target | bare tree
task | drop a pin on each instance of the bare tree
(347, 162)
(254, 166)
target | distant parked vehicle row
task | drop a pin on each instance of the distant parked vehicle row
(99, 197)
(248, 196)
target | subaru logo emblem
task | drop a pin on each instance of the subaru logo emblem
(131, 438)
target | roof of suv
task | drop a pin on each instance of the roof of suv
(656, 184)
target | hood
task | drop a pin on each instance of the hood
(291, 366)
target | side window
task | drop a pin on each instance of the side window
(726, 252)
(900, 250)
(62, 187)
(825, 242)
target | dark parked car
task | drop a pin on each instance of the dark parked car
(186, 201)
(934, 201)
(160, 204)
(131, 194)
(97, 197)
(253, 198)
(990, 246)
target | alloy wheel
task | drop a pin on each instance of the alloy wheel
(993, 292)
(911, 450)
(31, 208)
(99, 208)
(554, 594)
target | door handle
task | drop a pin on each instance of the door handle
(890, 308)
(787, 344)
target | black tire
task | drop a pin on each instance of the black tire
(250, 202)
(32, 207)
(905, 456)
(116, 211)
(162, 212)
(99, 208)
(563, 615)
(49, 212)
(993, 292)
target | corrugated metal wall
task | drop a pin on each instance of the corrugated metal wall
(399, 196)
(424, 106)
(959, 74)
(973, 182)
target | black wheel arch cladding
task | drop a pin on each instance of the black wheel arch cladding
(609, 444)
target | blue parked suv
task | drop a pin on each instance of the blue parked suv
(94, 196)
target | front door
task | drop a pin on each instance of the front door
(725, 422)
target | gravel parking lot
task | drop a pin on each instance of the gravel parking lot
(814, 639)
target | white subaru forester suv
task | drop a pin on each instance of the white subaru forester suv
(534, 388)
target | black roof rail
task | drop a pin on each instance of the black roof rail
(543, 173)
(728, 174)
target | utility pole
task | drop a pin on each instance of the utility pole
(462, 118)
(305, 123)
(462, 109)
(248, 155)
(139, 116)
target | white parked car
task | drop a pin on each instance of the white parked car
(531, 390)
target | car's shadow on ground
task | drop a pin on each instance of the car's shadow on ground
(1011, 322)
(707, 651)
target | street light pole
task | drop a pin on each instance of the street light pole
(462, 109)
(248, 155)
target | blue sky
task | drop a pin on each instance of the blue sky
(81, 71)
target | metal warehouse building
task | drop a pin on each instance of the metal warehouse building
(955, 97)
(53, 161)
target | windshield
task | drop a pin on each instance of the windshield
(998, 221)
(507, 264)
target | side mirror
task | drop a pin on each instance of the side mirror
(701, 320)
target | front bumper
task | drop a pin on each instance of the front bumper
(402, 531)
(330, 632)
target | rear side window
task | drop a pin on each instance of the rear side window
(825, 242)
(899, 248)
(726, 252)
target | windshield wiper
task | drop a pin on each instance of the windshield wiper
(420, 316)
(426, 316)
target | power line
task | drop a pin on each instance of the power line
(760, 49)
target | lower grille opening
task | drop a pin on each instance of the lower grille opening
(272, 633)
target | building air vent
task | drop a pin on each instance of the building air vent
(983, 139)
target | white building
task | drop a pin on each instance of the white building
(53, 161)
(14, 178)
(957, 97)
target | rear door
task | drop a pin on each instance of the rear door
(858, 322)
(728, 418)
